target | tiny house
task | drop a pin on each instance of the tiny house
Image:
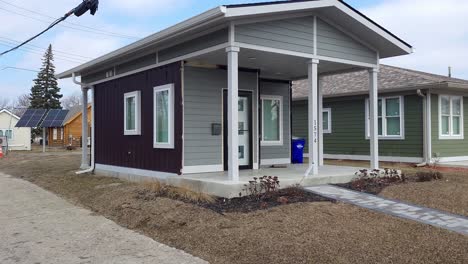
(70, 133)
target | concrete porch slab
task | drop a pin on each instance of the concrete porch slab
(218, 183)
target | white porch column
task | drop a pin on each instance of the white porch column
(373, 113)
(320, 122)
(313, 117)
(84, 129)
(233, 118)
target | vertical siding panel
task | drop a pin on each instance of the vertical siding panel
(112, 147)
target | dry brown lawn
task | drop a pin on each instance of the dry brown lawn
(321, 232)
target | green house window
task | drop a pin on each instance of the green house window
(164, 116)
(327, 129)
(390, 118)
(272, 124)
(451, 117)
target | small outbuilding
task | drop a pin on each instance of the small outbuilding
(70, 133)
(16, 138)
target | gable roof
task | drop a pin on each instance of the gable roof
(391, 79)
(343, 14)
(10, 113)
(73, 113)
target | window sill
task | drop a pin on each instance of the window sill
(163, 146)
(389, 138)
(132, 133)
(271, 144)
(451, 137)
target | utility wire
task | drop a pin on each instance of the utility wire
(69, 23)
(37, 35)
(28, 50)
(15, 42)
(70, 27)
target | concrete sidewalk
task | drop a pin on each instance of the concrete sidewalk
(38, 227)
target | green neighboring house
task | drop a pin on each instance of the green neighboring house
(421, 116)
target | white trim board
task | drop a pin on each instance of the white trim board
(264, 162)
(367, 157)
(202, 169)
(126, 171)
(453, 159)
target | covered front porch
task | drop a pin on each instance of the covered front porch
(218, 183)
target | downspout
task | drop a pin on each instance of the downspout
(83, 85)
(425, 146)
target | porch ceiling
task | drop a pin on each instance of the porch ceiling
(271, 65)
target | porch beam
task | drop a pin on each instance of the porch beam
(84, 129)
(313, 117)
(233, 114)
(373, 113)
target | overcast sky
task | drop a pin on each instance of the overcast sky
(437, 29)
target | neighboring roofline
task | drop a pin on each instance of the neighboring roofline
(427, 86)
(71, 119)
(10, 113)
(223, 12)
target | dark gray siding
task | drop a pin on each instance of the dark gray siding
(136, 64)
(203, 90)
(331, 42)
(348, 128)
(283, 151)
(200, 43)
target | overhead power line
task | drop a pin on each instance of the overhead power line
(10, 40)
(91, 5)
(30, 50)
(70, 23)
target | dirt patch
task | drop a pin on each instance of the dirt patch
(303, 232)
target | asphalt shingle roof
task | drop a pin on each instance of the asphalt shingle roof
(390, 78)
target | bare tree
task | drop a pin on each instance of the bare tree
(21, 104)
(5, 103)
(72, 100)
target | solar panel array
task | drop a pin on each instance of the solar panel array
(55, 118)
(31, 118)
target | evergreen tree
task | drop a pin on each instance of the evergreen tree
(45, 93)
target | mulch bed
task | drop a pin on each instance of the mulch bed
(247, 204)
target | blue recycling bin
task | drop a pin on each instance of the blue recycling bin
(298, 145)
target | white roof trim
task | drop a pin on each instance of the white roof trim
(225, 12)
(10, 113)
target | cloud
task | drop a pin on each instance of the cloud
(437, 29)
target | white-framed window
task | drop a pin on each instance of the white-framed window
(391, 118)
(164, 116)
(54, 134)
(327, 121)
(8, 133)
(132, 113)
(451, 117)
(272, 120)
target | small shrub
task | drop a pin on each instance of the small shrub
(71, 148)
(260, 188)
(426, 176)
(375, 180)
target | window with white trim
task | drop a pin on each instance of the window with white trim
(132, 113)
(272, 120)
(164, 116)
(8, 133)
(391, 122)
(54, 134)
(450, 117)
(327, 121)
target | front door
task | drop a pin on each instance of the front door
(245, 130)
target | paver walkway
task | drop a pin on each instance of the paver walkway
(424, 215)
(38, 227)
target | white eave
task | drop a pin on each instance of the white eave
(226, 13)
(10, 113)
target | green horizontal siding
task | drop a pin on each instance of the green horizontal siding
(348, 128)
(448, 147)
